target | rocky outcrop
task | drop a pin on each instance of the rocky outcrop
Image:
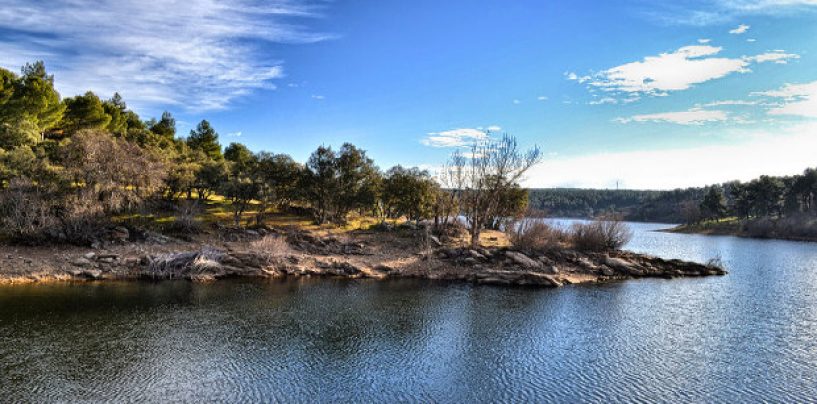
(307, 255)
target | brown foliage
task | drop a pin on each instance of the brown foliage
(603, 234)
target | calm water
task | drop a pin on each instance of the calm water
(748, 336)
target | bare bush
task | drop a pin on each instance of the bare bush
(604, 234)
(25, 212)
(535, 235)
(271, 247)
(184, 220)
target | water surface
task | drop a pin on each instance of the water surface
(747, 336)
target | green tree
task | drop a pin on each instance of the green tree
(118, 111)
(205, 139)
(714, 205)
(165, 128)
(83, 112)
(408, 192)
(29, 105)
(277, 176)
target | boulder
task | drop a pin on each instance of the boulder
(435, 241)
(523, 260)
(552, 270)
(82, 262)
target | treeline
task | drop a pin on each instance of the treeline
(633, 205)
(764, 200)
(69, 166)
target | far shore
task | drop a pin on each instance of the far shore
(737, 229)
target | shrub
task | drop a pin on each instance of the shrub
(604, 234)
(271, 247)
(184, 221)
(25, 212)
(535, 235)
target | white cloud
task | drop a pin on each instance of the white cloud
(671, 168)
(778, 56)
(694, 116)
(517, 102)
(318, 97)
(455, 137)
(799, 100)
(704, 41)
(751, 40)
(542, 98)
(493, 128)
(674, 71)
(604, 100)
(200, 54)
(234, 134)
(729, 103)
(741, 29)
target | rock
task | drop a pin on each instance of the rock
(92, 273)
(523, 260)
(475, 255)
(435, 241)
(469, 261)
(383, 268)
(81, 262)
(552, 270)
(89, 256)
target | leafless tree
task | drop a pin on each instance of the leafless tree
(480, 180)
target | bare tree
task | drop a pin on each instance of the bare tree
(479, 182)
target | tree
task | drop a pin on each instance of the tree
(165, 127)
(714, 204)
(118, 111)
(239, 155)
(205, 139)
(83, 112)
(337, 183)
(495, 166)
(29, 105)
(277, 176)
(408, 192)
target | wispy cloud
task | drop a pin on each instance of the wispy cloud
(199, 54)
(455, 137)
(798, 100)
(234, 134)
(741, 29)
(710, 12)
(318, 97)
(694, 116)
(674, 71)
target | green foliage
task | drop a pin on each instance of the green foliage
(205, 139)
(29, 105)
(83, 112)
(165, 128)
(408, 192)
(337, 183)
(714, 205)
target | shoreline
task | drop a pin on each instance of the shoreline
(364, 255)
(731, 231)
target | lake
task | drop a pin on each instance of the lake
(747, 336)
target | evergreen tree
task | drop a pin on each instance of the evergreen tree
(83, 112)
(205, 139)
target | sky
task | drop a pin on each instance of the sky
(633, 93)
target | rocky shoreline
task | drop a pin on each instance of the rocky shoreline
(367, 256)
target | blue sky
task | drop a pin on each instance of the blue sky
(648, 94)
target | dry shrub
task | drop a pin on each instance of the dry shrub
(603, 234)
(25, 212)
(271, 247)
(535, 235)
(184, 220)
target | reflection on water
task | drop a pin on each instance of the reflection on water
(749, 335)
